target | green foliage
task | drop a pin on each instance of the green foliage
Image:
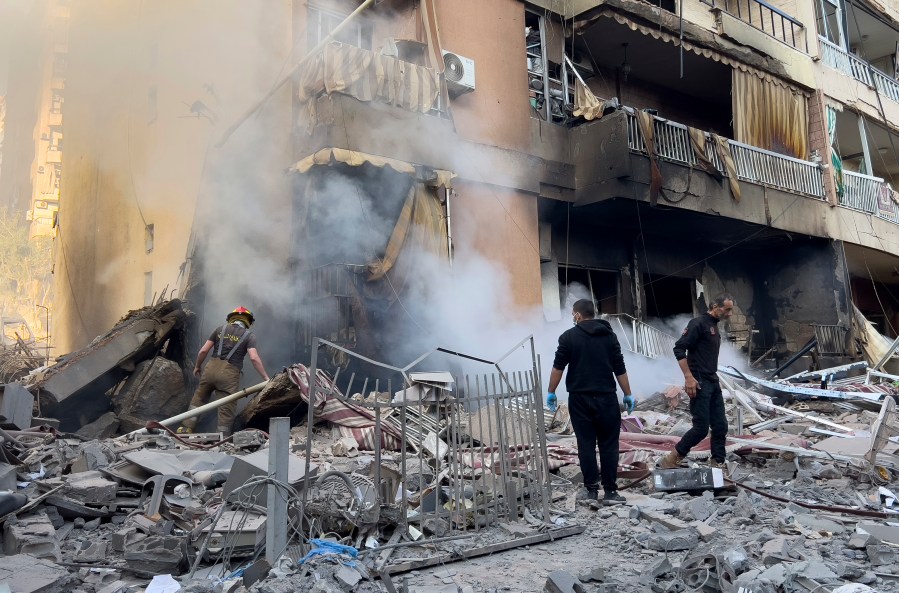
(25, 268)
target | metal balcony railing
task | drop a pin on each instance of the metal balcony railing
(860, 192)
(885, 84)
(754, 165)
(868, 194)
(832, 339)
(641, 338)
(839, 59)
(766, 18)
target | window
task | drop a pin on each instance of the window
(831, 21)
(321, 22)
(149, 237)
(148, 289)
(581, 283)
(544, 73)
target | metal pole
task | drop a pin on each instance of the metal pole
(202, 409)
(276, 522)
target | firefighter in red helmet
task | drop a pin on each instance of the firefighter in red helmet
(229, 344)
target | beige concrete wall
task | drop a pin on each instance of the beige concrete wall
(492, 34)
(152, 87)
(499, 225)
(849, 91)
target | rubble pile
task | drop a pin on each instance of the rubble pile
(432, 488)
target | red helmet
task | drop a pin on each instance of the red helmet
(241, 313)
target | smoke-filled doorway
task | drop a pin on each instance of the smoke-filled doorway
(588, 283)
(668, 296)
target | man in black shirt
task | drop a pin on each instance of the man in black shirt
(697, 354)
(593, 356)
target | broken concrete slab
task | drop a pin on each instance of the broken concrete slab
(74, 389)
(560, 581)
(158, 552)
(104, 427)
(90, 487)
(673, 541)
(155, 390)
(256, 464)
(24, 573)
(33, 535)
(92, 551)
(16, 404)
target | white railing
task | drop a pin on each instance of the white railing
(839, 59)
(641, 338)
(886, 85)
(753, 164)
(860, 192)
(869, 194)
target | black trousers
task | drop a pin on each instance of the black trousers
(596, 419)
(707, 409)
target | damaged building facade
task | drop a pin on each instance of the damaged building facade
(653, 154)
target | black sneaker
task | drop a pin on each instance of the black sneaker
(587, 494)
(613, 498)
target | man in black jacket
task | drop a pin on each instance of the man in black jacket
(697, 354)
(593, 356)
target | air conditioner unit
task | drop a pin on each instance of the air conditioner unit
(459, 73)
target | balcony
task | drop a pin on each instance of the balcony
(753, 165)
(839, 59)
(869, 194)
(767, 19)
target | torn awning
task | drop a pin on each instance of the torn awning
(330, 156)
(368, 76)
(673, 39)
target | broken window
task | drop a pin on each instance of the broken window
(547, 71)
(830, 18)
(668, 296)
(321, 22)
(588, 283)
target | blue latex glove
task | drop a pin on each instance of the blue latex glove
(629, 403)
(551, 402)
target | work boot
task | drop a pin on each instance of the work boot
(612, 498)
(587, 494)
(722, 465)
(672, 460)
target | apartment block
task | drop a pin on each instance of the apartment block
(644, 154)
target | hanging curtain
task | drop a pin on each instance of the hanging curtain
(586, 104)
(769, 116)
(835, 160)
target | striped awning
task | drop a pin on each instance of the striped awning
(330, 156)
(368, 76)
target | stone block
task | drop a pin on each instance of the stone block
(122, 539)
(673, 541)
(881, 554)
(155, 550)
(91, 487)
(706, 532)
(102, 428)
(16, 404)
(597, 573)
(560, 581)
(32, 535)
(24, 573)
(347, 577)
(92, 551)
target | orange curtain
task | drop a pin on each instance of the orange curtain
(769, 116)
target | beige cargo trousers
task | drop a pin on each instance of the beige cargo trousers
(220, 378)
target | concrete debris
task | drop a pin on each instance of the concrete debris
(107, 512)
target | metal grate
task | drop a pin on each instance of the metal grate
(832, 339)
